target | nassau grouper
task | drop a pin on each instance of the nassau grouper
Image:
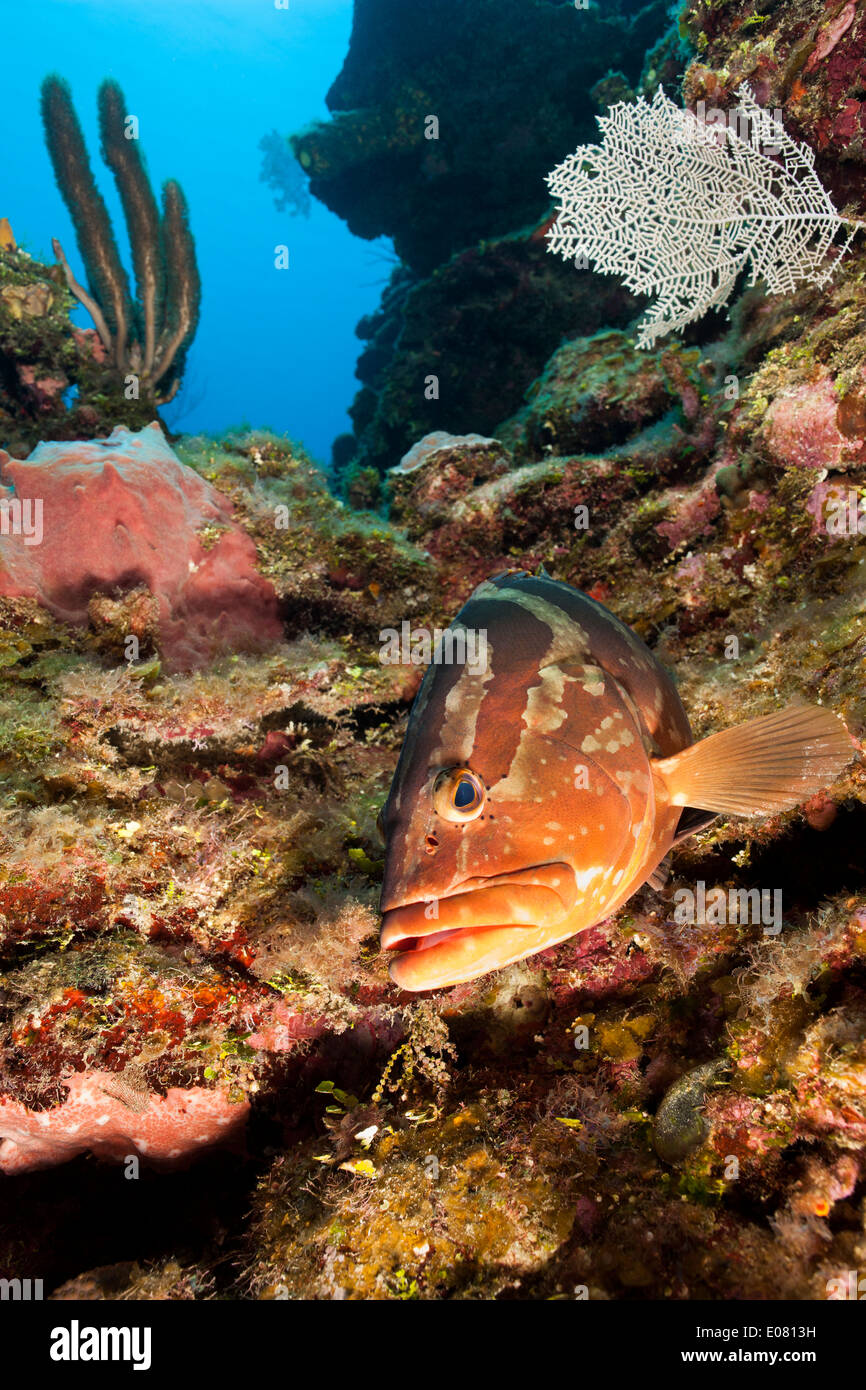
(534, 796)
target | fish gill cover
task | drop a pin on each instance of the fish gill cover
(211, 639)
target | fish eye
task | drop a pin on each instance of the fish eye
(458, 794)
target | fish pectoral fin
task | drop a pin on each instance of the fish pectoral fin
(691, 822)
(770, 764)
(660, 874)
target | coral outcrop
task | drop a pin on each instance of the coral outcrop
(380, 163)
(456, 351)
(806, 59)
(454, 172)
(56, 381)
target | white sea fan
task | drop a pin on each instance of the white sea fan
(677, 207)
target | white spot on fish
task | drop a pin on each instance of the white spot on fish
(584, 877)
(628, 779)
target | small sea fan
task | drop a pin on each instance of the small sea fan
(677, 208)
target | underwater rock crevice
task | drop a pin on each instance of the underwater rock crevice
(802, 861)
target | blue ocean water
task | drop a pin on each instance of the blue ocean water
(207, 80)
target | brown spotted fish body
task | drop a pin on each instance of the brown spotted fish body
(538, 789)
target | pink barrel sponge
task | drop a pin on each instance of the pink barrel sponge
(106, 516)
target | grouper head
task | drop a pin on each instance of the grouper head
(539, 788)
(522, 805)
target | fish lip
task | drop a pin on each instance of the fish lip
(414, 945)
(450, 958)
(398, 945)
(466, 885)
(476, 884)
(539, 882)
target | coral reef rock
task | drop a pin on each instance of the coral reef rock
(453, 172)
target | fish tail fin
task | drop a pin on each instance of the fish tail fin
(770, 764)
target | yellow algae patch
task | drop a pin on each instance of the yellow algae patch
(448, 1214)
(624, 1041)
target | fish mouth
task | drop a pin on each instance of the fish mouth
(481, 925)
